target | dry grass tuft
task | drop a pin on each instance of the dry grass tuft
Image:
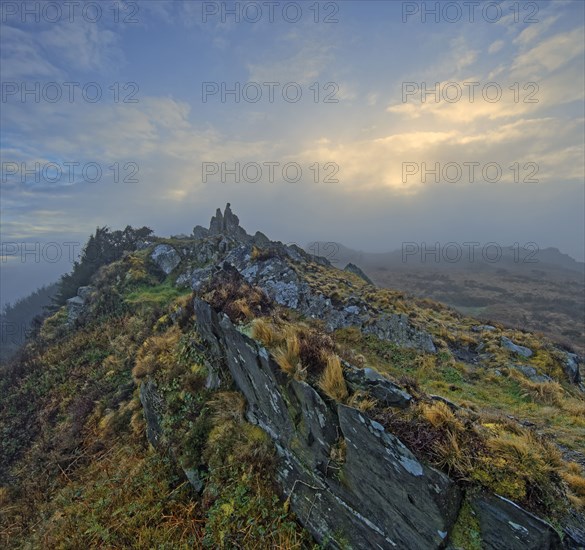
(289, 359)
(440, 416)
(332, 381)
(159, 351)
(451, 455)
(264, 332)
(228, 406)
(362, 401)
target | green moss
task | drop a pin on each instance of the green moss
(466, 534)
(159, 295)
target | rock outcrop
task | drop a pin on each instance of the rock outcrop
(374, 494)
(165, 257)
(506, 526)
(277, 277)
(379, 496)
(77, 305)
(352, 268)
(227, 224)
(515, 348)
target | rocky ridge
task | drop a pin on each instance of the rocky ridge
(379, 495)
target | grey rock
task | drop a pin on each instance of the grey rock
(152, 406)
(397, 328)
(379, 497)
(415, 506)
(574, 531)
(200, 232)
(194, 478)
(77, 306)
(506, 526)
(352, 268)
(165, 257)
(295, 253)
(260, 239)
(453, 406)
(282, 284)
(200, 276)
(511, 346)
(228, 224)
(532, 374)
(141, 245)
(216, 223)
(571, 364)
(379, 387)
(85, 291)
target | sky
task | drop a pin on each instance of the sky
(147, 112)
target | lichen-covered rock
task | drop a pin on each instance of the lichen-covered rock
(77, 305)
(228, 224)
(506, 526)
(152, 407)
(165, 257)
(571, 364)
(532, 374)
(283, 285)
(397, 328)
(195, 278)
(260, 239)
(415, 506)
(515, 348)
(379, 496)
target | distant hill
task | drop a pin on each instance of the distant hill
(540, 290)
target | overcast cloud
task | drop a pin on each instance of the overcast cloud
(153, 125)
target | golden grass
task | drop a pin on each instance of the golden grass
(440, 416)
(452, 456)
(264, 332)
(332, 381)
(157, 352)
(228, 405)
(362, 401)
(288, 358)
(576, 483)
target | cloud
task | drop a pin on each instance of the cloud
(307, 63)
(550, 54)
(21, 56)
(496, 46)
(83, 45)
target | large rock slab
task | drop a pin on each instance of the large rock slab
(379, 496)
(506, 526)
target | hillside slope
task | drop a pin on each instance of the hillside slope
(537, 290)
(227, 391)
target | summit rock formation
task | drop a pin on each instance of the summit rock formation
(227, 224)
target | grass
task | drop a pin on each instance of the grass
(160, 295)
(332, 381)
